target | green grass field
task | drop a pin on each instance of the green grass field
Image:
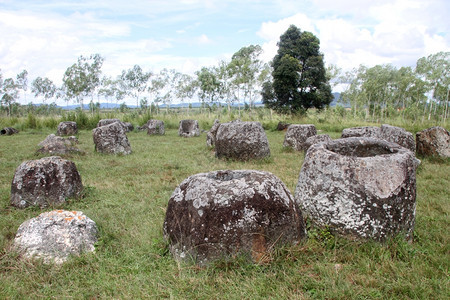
(127, 196)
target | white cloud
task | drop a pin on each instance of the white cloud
(204, 39)
(397, 32)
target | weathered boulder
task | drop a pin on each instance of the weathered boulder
(434, 141)
(399, 136)
(282, 126)
(155, 127)
(359, 187)
(57, 145)
(367, 131)
(8, 131)
(55, 236)
(316, 139)
(242, 141)
(386, 132)
(126, 125)
(111, 139)
(297, 134)
(188, 128)
(67, 128)
(45, 182)
(224, 213)
(211, 135)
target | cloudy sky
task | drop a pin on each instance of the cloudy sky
(46, 37)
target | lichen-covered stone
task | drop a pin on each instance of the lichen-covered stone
(211, 135)
(55, 236)
(188, 128)
(48, 181)
(111, 139)
(155, 127)
(126, 125)
(359, 187)
(366, 131)
(386, 132)
(242, 141)
(67, 128)
(434, 141)
(56, 145)
(399, 136)
(316, 139)
(8, 131)
(297, 134)
(221, 214)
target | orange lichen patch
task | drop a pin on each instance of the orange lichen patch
(68, 219)
(74, 212)
(81, 218)
(59, 211)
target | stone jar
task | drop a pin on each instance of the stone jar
(45, 182)
(241, 141)
(111, 139)
(67, 128)
(359, 187)
(297, 134)
(220, 214)
(188, 128)
(56, 235)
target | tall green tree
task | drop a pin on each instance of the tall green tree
(135, 81)
(208, 85)
(299, 75)
(245, 67)
(43, 87)
(22, 82)
(435, 70)
(10, 93)
(82, 78)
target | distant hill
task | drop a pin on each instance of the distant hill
(176, 105)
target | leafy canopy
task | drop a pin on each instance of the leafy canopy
(299, 75)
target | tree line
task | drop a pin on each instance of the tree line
(375, 93)
(294, 81)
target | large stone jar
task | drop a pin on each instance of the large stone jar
(220, 214)
(48, 181)
(359, 187)
(56, 235)
(241, 141)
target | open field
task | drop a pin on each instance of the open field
(127, 196)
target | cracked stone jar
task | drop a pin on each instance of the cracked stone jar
(221, 214)
(360, 187)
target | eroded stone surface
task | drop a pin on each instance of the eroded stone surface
(297, 134)
(211, 135)
(155, 127)
(242, 141)
(55, 236)
(222, 213)
(434, 141)
(188, 128)
(316, 139)
(359, 187)
(45, 182)
(126, 125)
(56, 145)
(399, 136)
(386, 132)
(111, 139)
(67, 128)
(366, 131)
(8, 131)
